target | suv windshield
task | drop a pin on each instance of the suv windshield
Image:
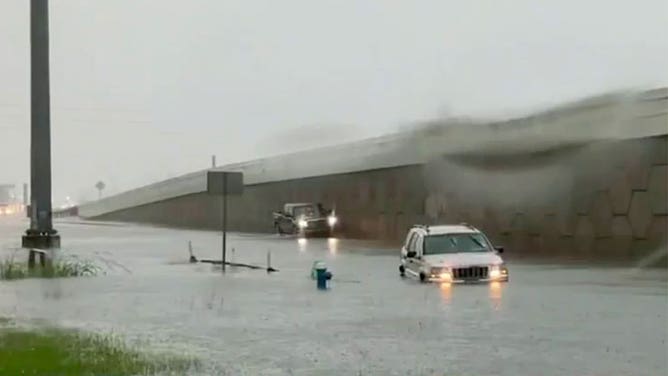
(455, 243)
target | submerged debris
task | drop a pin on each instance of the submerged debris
(194, 259)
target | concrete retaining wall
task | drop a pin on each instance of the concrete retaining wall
(608, 117)
(604, 199)
(585, 180)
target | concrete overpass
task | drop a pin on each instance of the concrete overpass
(586, 179)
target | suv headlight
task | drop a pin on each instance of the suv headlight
(443, 273)
(497, 271)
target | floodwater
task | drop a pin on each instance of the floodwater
(548, 320)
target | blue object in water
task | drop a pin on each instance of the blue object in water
(321, 275)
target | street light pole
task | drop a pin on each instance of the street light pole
(41, 233)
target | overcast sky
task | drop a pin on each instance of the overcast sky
(148, 89)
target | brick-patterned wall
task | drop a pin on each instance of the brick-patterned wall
(604, 199)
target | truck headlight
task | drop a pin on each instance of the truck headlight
(302, 223)
(332, 220)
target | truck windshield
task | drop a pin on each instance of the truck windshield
(455, 243)
(306, 211)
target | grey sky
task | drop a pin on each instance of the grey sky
(146, 89)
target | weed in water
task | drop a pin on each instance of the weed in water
(61, 352)
(60, 268)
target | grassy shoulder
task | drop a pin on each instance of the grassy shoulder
(11, 269)
(58, 352)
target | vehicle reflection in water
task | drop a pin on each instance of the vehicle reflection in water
(302, 244)
(446, 291)
(495, 294)
(333, 245)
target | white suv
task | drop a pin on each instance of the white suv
(451, 253)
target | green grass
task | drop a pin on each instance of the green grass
(11, 269)
(55, 352)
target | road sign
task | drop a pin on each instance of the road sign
(224, 183)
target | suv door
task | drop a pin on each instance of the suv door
(404, 248)
(419, 251)
(413, 263)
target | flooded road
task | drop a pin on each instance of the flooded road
(549, 320)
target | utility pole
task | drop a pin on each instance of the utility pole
(213, 161)
(41, 233)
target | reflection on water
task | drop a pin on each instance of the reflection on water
(495, 294)
(302, 244)
(333, 245)
(446, 291)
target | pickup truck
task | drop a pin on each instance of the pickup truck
(306, 219)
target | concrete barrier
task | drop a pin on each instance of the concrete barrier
(72, 211)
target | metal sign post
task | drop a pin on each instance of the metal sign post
(224, 183)
(224, 220)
